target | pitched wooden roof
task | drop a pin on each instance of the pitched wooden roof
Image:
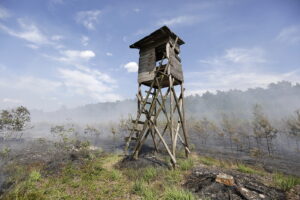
(153, 37)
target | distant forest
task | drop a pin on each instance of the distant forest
(278, 100)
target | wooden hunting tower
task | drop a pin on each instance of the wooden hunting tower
(160, 70)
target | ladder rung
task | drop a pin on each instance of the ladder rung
(147, 113)
(150, 92)
(134, 129)
(139, 122)
(132, 138)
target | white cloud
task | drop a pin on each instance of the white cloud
(30, 83)
(11, 101)
(57, 37)
(224, 80)
(4, 13)
(88, 18)
(75, 57)
(32, 46)
(29, 32)
(88, 83)
(131, 67)
(109, 54)
(241, 55)
(137, 10)
(180, 20)
(237, 68)
(290, 35)
(84, 40)
(237, 57)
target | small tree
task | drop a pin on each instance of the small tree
(204, 127)
(228, 128)
(294, 128)
(14, 121)
(262, 128)
(92, 131)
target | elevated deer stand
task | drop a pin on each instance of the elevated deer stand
(160, 72)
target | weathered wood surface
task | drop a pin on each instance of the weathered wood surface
(153, 105)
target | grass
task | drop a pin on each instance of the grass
(208, 161)
(100, 179)
(149, 174)
(246, 169)
(178, 194)
(141, 189)
(285, 182)
(186, 164)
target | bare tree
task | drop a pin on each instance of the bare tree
(294, 128)
(94, 132)
(228, 128)
(262, 128)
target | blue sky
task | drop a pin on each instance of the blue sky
(57, 53)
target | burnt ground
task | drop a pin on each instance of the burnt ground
(276, 163)
(38, 153)
(202, 181)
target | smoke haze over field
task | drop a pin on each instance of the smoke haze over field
(279, 101)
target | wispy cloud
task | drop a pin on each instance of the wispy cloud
(237, 68)
(137, 10)
(11, 101)
(88, 18)
(28, 32)
(131, 67)
(84, 40)
(239, 57)
(90, 83)
(290, 35)
(109, 54)
(73, 57)
(4, 13)
(57, 37)
(180, 20)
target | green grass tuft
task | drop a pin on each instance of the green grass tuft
(186, 164)
(285, 182)
(208, 161)
(34, 176)
(149, 174)
(178, 194)
(143, 190)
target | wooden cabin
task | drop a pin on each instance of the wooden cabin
(156, 52)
